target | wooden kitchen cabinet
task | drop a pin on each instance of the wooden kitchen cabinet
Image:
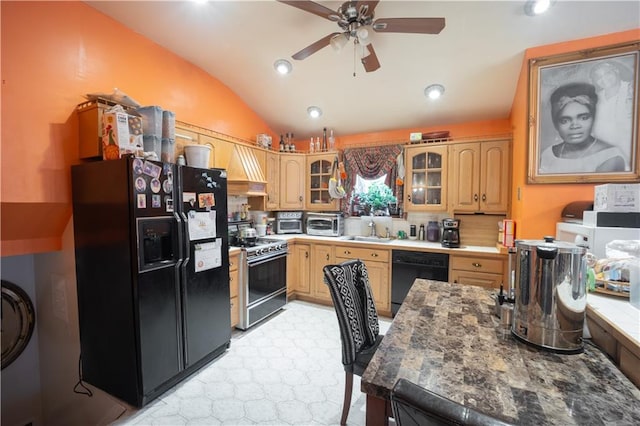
(234, 282)
(321, 255)
(298, 269)
(479, 177)
(478, 270)
(272, 200)
(190, 135)
(292, 178)
(319, 167)
(425, 178)
(377, 263)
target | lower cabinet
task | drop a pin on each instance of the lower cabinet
(321, 255)
(477, 270)
(234, 282)
(298, 267)
(377, 263)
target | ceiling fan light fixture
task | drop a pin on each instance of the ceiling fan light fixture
(314, 112)
(364, 35)
(536, 7)
(337, 42)
(434, 91)
(282, 66)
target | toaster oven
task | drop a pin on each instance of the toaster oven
(325, 224)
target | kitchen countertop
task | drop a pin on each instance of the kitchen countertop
(446, 338)
(620, 314)
(414, 245)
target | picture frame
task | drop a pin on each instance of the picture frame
(583, 116)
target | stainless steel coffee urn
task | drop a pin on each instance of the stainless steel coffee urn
(550, 293)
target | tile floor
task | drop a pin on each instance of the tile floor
(285, 371)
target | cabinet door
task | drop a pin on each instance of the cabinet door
(494, 177)
(465, 175)
(233, 289)
(272, 201)
(322, 255)
(292, 167)
(184, 137)
(426, 178)
(319, 168)
(301, 266)
(379, 280)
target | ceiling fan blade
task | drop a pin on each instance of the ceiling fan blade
(371, 5)
(409, 25)
(315, 8)
(370, 61)
(313, 48)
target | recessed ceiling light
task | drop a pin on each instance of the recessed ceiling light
(536, 7)
(314, 112)
(434, 91)
(282, 66)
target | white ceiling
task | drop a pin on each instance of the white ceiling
(477, 57)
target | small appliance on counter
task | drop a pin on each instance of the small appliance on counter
(325, 224)
(450, 233)
(550, 295)
(289, 223)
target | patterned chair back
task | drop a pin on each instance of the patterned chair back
(354, 305)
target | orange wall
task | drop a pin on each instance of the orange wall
(537, 208)
(52, 54)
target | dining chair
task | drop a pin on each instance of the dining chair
(413, 405)
(357, 318)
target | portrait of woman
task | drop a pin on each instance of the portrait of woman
(573, 114)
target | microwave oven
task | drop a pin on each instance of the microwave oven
(595, 238)
(289, 223)
(325, 224)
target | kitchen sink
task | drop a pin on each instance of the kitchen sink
(366, 238)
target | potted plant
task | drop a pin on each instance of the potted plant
(377, 199)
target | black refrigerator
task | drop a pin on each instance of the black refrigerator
(152, 269)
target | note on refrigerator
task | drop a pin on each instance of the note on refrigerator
(202, 225)
(208, 255)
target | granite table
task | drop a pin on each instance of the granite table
(447, 339)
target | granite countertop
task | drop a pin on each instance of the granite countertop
(446, 338)
(414, 245)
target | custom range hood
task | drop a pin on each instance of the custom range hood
(244, 174)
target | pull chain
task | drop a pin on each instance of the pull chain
(355, 48)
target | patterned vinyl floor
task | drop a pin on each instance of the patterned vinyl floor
(285, 371)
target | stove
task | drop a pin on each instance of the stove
(263, 279)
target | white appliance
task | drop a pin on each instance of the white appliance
(594, 237)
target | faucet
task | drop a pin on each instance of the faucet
(372, 225)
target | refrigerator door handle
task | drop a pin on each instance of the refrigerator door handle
(181, 254)
(185, 240)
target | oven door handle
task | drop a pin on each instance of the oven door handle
(268, 259)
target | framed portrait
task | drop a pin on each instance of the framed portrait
(583, 116)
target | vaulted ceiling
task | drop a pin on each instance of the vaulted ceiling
(477, 56)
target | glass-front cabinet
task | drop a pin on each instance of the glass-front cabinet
(425, 178)
(319, 168)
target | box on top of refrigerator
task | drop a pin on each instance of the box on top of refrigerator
(617, 197)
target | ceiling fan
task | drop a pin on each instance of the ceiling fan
(355, 18)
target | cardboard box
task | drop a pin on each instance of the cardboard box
(90, 114)
(509, 232)
(617, 197)
(118, 138)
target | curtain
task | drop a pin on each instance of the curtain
(370, 163)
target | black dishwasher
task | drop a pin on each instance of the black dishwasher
(409, 265)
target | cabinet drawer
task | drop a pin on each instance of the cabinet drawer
(476, 264)
(480, 279)
(235, 311)
(373, 255)
(233, 262)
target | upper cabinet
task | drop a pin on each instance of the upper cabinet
(272, 200)
(425, 178)
(292, 174)
(187, 136)
(479, 177)
(319, 168)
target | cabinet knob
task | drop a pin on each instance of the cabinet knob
(475, 197)
(230, 264)
(476, 264)
(409, 198)
(484, 197)
(306, 254)
(347, 252)
(300, 198)
(327, 257)
(374, 254)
